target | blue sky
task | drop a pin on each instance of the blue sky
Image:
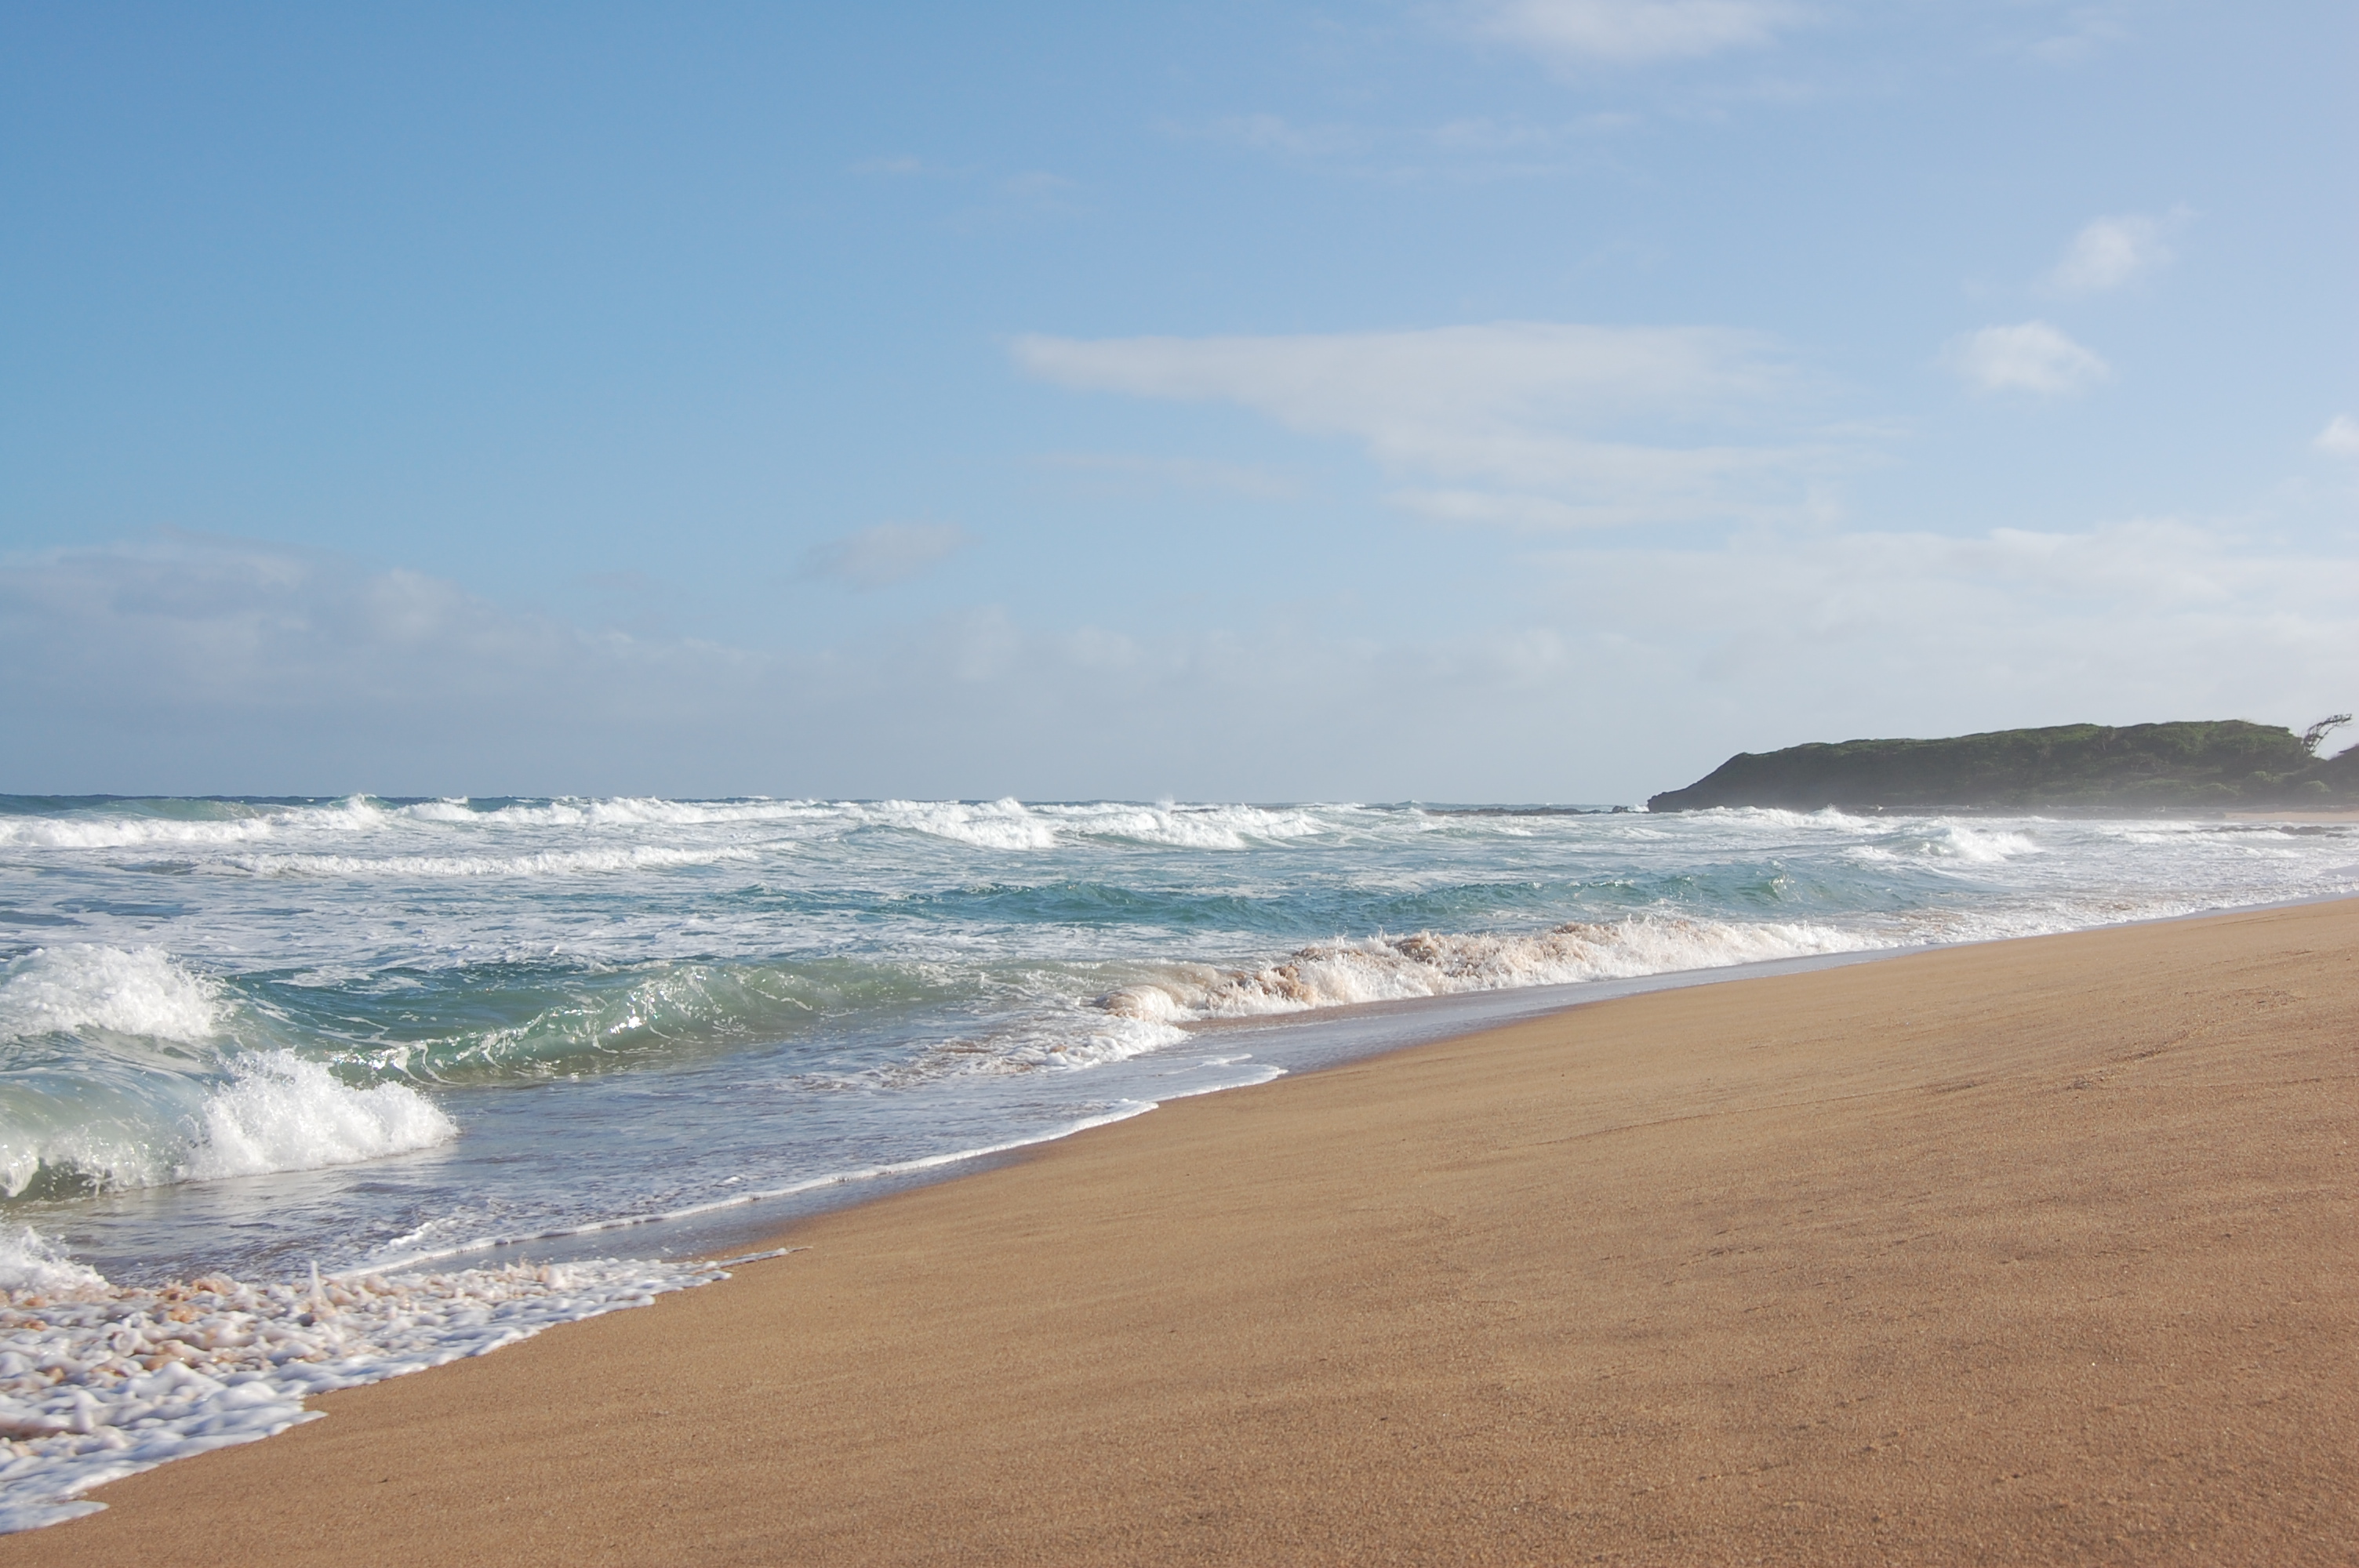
(1482, 399)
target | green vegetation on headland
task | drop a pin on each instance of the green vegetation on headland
(2224, 764)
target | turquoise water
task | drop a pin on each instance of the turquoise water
(255, 1035)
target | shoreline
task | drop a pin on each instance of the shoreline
(1804, 1267)
(1313, 1040)
(510, 1188)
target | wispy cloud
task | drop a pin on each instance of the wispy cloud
(1925, 633)
(2080, 32)
(1249, 480)
(1276, 134)
(2341, 436)
(1038, 185)
(1571, 33)
(986, 191)
(186, 625)
(885, 554)
(1550, 421)
(1471, 148)
(2033, 357)
(2110, 252)
(1482, 136)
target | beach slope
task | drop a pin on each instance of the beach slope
(2040, 1250)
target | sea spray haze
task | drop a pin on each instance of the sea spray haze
(465, 1056)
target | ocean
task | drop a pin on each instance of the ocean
(296, 1093)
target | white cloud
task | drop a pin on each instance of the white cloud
(2341, 436)
(1484, 135)
(1460, 150)
(2033, 357)
(1780, 637)
(2085, 30)
(1249, 480)
(186, 633)
(1633, 32)
(2111, 251)
(1582, 417)
(885, 554)
(1603, 485)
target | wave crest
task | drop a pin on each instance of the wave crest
(117, 1070)
(1394, 968)
(547, 863)
(207, 822)
(141, 992)
(283, 1113)
(274, 1112)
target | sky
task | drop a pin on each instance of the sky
(1461, 400)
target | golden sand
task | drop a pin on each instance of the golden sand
(2037, 1251)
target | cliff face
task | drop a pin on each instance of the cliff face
(2144, 767)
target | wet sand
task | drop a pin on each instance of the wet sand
(2037, 1251)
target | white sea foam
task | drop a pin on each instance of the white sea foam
(1198, 827)
(144, 1118)
(1953, 842)
(29, 1265)
(1000, 824)
(1980, 846)
(125, 832)
(239, 825)
(139, 991)
(618, 811)
(280, 1112)
(106, 1156)
(1012, 825)
(1759, 817)
(1067, 1040)
(548, 863)
(98, 1381)
(275, 1111)
(1390, 968)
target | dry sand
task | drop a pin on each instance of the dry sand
(2039, 1251)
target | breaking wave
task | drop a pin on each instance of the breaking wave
(1953, 842)
(126, 825)
(554, 863)
(1394, 968)
(570, 1022)
(267, 1111)
(61, 990)
(115, 1072)
(1006, 826)
(279, 1112)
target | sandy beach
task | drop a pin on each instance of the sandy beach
(2034, 1251)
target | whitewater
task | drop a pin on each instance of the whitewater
(295, 1094)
